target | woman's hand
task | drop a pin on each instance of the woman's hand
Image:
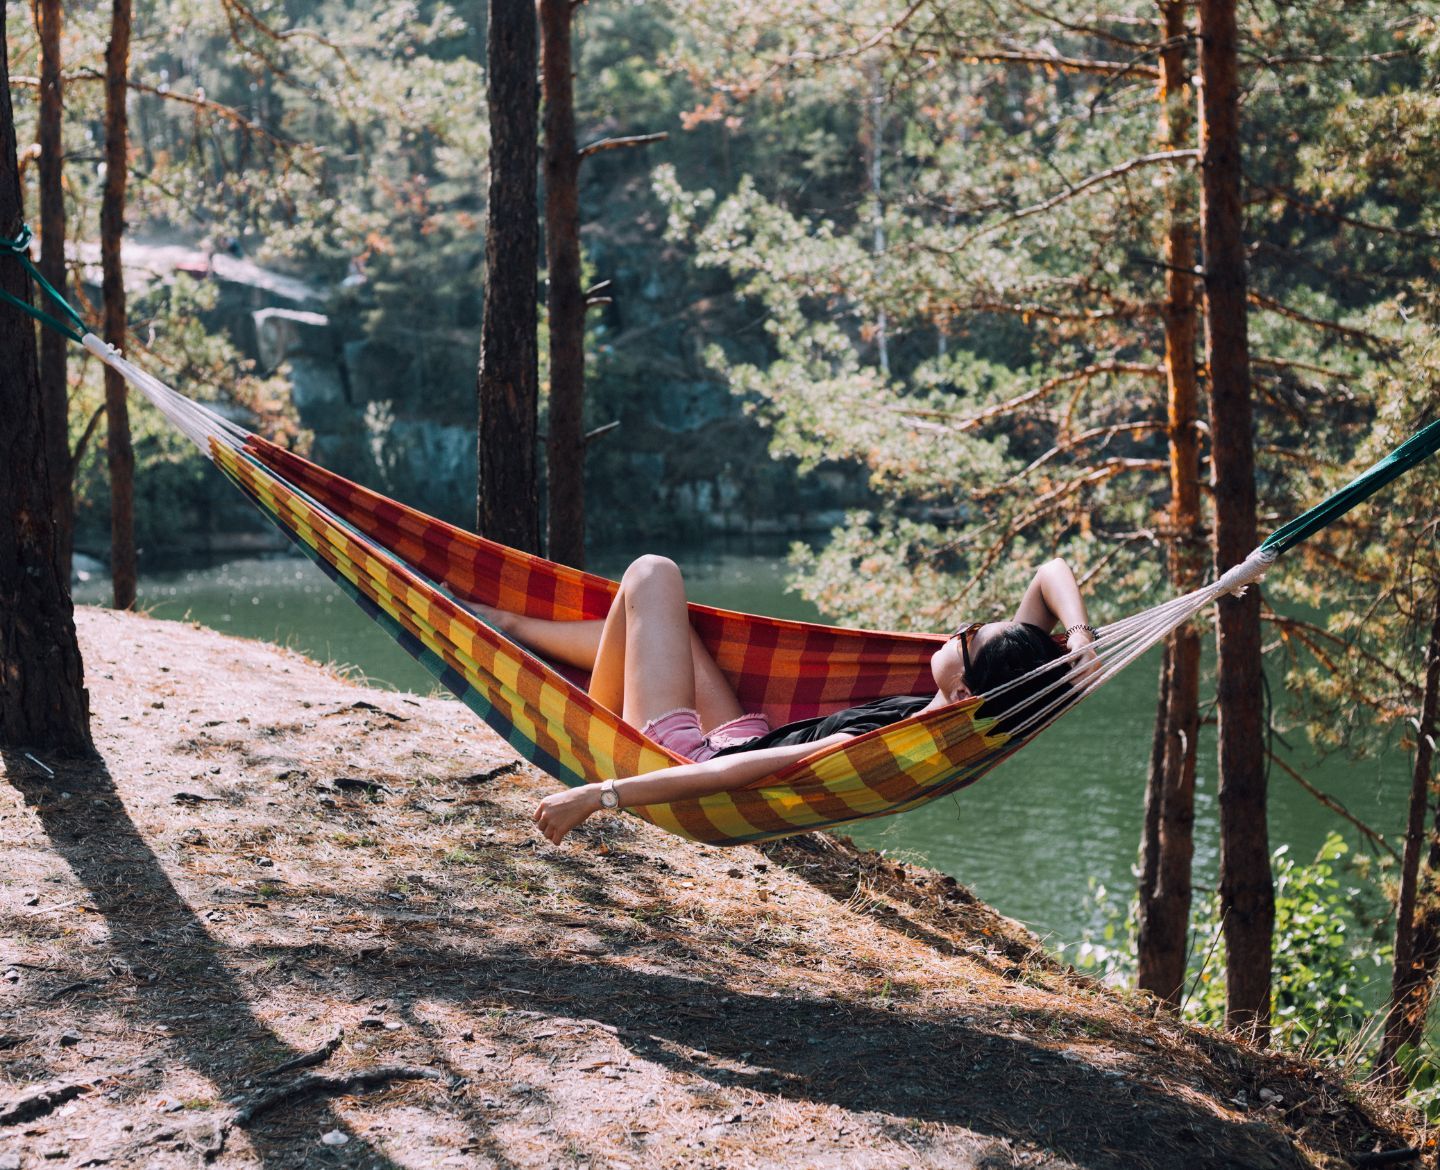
(560, 812)
(1086, 664)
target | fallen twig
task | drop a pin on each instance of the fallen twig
(68, 988)
(308, 1059)
(1386, 1157)
(493, 773)
(363, 705)
(50, 1097)
(41, 1102)
(324, 1086)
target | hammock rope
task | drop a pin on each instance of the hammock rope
(418, 577)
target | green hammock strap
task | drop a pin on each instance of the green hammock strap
(1422, 444)
(19, 247)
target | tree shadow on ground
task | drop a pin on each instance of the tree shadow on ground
(951, 1070)
(177, 972)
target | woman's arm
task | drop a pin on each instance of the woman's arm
(1054, 597)
(560, 812)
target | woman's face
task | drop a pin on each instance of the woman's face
(947, 664)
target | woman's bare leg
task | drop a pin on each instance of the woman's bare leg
(579, 643)
(573, 643)
(649, 660)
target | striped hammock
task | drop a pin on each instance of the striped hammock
(414, 574)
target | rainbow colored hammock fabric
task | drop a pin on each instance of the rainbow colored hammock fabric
(410, 572)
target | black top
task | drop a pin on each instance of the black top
(854, 720)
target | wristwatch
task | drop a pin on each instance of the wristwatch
(609, 798)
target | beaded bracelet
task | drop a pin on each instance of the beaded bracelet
(1089, 629)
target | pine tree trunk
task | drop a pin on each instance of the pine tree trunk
(507, 507)
(565, 454)
(1417, 938)
(1169, 845)
(54, 353)
(43, 703)
(112, 229)
(1149, 880)
(1247, 895)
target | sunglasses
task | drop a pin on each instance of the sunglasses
(964, 633)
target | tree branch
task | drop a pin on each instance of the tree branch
(1087, 29)
(219, 109)
(84, 440)
(864, 47)
(970, 422)
(1352, 221)
(1062, 64)
(1334, 805)
(1260, 300)
(1160, 156)
(620, 143)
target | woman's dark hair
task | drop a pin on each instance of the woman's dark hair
(1010, 653)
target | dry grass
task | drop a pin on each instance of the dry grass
(270, 861)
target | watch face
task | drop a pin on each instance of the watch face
(609, 798)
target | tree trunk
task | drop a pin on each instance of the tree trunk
(43, 702)
(112, 229)
(565, 300)
(54, 353)
(1247, 894)
(1165, 898)
(507, 500)
(1416, 939)
(1149, 882)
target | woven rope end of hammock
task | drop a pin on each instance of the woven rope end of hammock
(1247, 572)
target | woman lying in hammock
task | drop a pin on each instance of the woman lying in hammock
(647, 663)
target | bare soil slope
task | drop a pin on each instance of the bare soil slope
(288, 921)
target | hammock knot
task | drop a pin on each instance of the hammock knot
(19, 244)
(1246, 573)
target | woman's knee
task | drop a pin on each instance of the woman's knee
(652, 569)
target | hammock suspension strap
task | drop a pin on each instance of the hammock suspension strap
(19, 247)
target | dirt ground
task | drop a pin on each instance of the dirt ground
(287, 921)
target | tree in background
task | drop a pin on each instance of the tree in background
(54, 354)
(564, 298)
(508, 504)
(1247, 896)
(119, 452)
(1167, 845)
(43, 702)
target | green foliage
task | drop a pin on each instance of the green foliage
(1331, 953)
(1331, 956)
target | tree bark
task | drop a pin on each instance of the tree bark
(43, 702)
(54, 352)
(1247, 894)
(565, 300)
(1169, 847)
(1416, 939)
(507, 500)
(112, 228)
(1149, 880)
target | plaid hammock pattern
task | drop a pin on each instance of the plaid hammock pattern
(412, 574)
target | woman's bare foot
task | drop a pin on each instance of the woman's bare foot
(560, 812)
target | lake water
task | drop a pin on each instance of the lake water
(1028, 839)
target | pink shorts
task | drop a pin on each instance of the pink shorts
(679, 730)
